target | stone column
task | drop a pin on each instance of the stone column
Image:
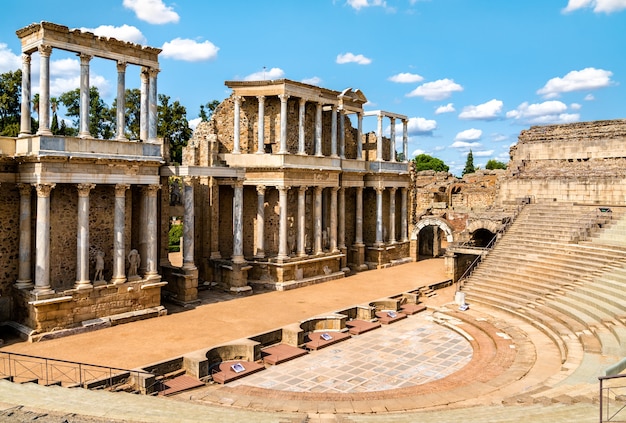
(301, 133)
(236, 124)
(44, 90)
(358, 233)
(121, 100)
(302, 221)
(84, 96)
(238, 223)
(119, 227)
(405, 140)
(341, 236)
(153, 114)
(24, 277)
(152, 256)
(404, 231)
(359, 135)
(82, 237)
(333, 131)
(379, 215)
(143, 104)
(188, 224)
(282, 226)
(214, 221)
(260, 149)
(333, 220)
(25, 128)
(342, 134)
(392, 215)
(392, 141)
(42, 240)
(260, 222)
(283, 124)
(379, 139)
(318, 130)
(317, 248)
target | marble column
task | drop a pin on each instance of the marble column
(260, 149)
(302, 221)
(301, 133)
(392, 215)
(342, 134)
(237, 124)
(379, 139)
(214, 222)
(24, 277)
(121, 101)
(333, 220)
(318, 130)
(42, 240)
(82, 237)
(25, 128)
(317, 227)
(119, 229)
(404, 231)
(153, 113)
(283, 124)
(379, 215)
(359, 135)
(260, 222)
(333, 131)
(44, 90)
(238, 223)
(405, 139)
(282, 225)
(392, 140)
(150, 192)
(84, 96)
(341, 235)
(188, 224)
(143, 104)
(358, 232)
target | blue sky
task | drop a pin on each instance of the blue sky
(468, 73)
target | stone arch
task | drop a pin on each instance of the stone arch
(489, 225)
(433, 221)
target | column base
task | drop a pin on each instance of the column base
(25, 284)
(83, 285)
(43, 290)
(152, 276)
(189, 266)
(44, 132)
(238, 260)
(134, 278)
(84, 135)
(118, 280)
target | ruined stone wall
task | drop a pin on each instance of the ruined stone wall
(10, 235)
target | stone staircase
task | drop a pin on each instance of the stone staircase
(562, 269)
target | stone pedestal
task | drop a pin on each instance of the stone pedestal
(359, 257)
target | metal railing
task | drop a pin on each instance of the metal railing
(612, 398)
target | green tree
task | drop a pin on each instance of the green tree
(10, 96)
(173, 126)
(494, 164)
(469, 164)
(175, 233)
(426, 162)
(132, 114)
(101, 123)
(206, 110)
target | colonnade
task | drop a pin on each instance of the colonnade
(41, 282)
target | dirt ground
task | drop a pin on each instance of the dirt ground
(210, 323)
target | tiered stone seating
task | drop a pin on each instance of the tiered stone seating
(560, 268)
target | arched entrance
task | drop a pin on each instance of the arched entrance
(482, 232)
(430, 237)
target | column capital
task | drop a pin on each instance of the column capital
(25, 189)
(120, 190)
(45, 50)
(144, 73)
(393, 190)
(237, 184)
(43, 190)
(318, 189)
(121, 66)
(335, 189)
(153, 72)
(283, 187)
(151, 190)
(84, 58)
(83, 189)
(238, 99)
(260, 189)
(302, 188)
(26, 58)
(283, 97)
(302, 101)
(379, 190)
(260, 98)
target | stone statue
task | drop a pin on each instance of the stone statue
(175, 196)
(99, 276)
(134, 259)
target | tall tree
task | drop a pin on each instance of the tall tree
(469, 164)
(495, 164)
(101, 124)
(10, 96)
(173, 126)
(426, 162)
(206, 110)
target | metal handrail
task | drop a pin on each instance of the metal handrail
(608, 393)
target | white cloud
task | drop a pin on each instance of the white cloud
(575, 106)
(448, 108)
(193, 123)
(485, 153)
(417, 126)
(417, 152)
(152, 11)
(9, 62)
(585, 79)
(469, 135)
(436, 90)
(486, 111)
(499, 137)
(274, 73)
(316, 80)
(352, 58)
(606, 6)
(589, 97)
(359, 4)
(552, 111)
(189, 50)
(124, 33)
(464, 145)
(406, 78)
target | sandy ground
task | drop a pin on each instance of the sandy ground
(139, 343)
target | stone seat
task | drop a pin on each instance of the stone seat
(386, 318)
(357, 327)
(226, 373)
(316, 339)
(412, 308)
(280, 353)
